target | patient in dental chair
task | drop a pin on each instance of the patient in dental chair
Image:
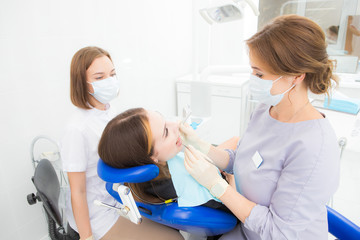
(139, 137)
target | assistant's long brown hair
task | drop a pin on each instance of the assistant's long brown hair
(127, 142)
(80, 62)
(293, 45)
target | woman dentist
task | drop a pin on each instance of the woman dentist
(286, 166)
(93, 84)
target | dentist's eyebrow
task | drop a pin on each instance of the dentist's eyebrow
(103, 72)
(98, 73)
(256, 68)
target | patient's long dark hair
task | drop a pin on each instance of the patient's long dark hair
(127, 142)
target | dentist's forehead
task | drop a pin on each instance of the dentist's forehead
(258, 64)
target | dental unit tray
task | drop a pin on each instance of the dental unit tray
(339, 105)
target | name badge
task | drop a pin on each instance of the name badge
(257, 159)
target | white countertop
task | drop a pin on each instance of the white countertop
(345, 125)
(236, 80)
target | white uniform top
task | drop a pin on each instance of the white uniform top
(79, 153)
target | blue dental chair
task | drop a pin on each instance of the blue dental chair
(202, 221)
(199, 220)
(341, 227)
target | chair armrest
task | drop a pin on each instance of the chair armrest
(341, 227)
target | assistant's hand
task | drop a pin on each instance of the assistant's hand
(189, 137)
(204, 172)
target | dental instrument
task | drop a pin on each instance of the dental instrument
(203, 155)
(186, 114)
(186, 118)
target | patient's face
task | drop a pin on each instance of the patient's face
(166, 137)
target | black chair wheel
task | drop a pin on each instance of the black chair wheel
(31, 198)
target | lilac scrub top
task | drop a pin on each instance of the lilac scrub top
(298, 176)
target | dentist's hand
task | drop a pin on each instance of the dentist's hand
(189, 137)
(204, 172)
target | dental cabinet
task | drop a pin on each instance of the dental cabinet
(228, 111)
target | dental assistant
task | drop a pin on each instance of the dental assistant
(286, 166)
(93, 84)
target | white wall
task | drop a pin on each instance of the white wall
(150, 42)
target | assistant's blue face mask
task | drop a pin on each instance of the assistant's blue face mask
(260, 91)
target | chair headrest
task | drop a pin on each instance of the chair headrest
(127, 175)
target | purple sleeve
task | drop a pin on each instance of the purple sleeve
(232, 156)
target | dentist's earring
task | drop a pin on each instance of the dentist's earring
(156, 161)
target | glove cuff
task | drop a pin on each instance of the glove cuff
(204, 147)
(219, 188)
(89, 238)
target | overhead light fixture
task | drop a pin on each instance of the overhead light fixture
(226, 13)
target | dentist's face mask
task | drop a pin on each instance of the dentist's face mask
(105, 90)
(260, 91)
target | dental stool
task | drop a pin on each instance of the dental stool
(199, 220)
(48, 189)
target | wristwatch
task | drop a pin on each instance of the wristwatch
(219, 188)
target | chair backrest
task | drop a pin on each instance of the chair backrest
(341, 227)
(48, 189)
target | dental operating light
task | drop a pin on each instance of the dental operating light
(226, 13)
